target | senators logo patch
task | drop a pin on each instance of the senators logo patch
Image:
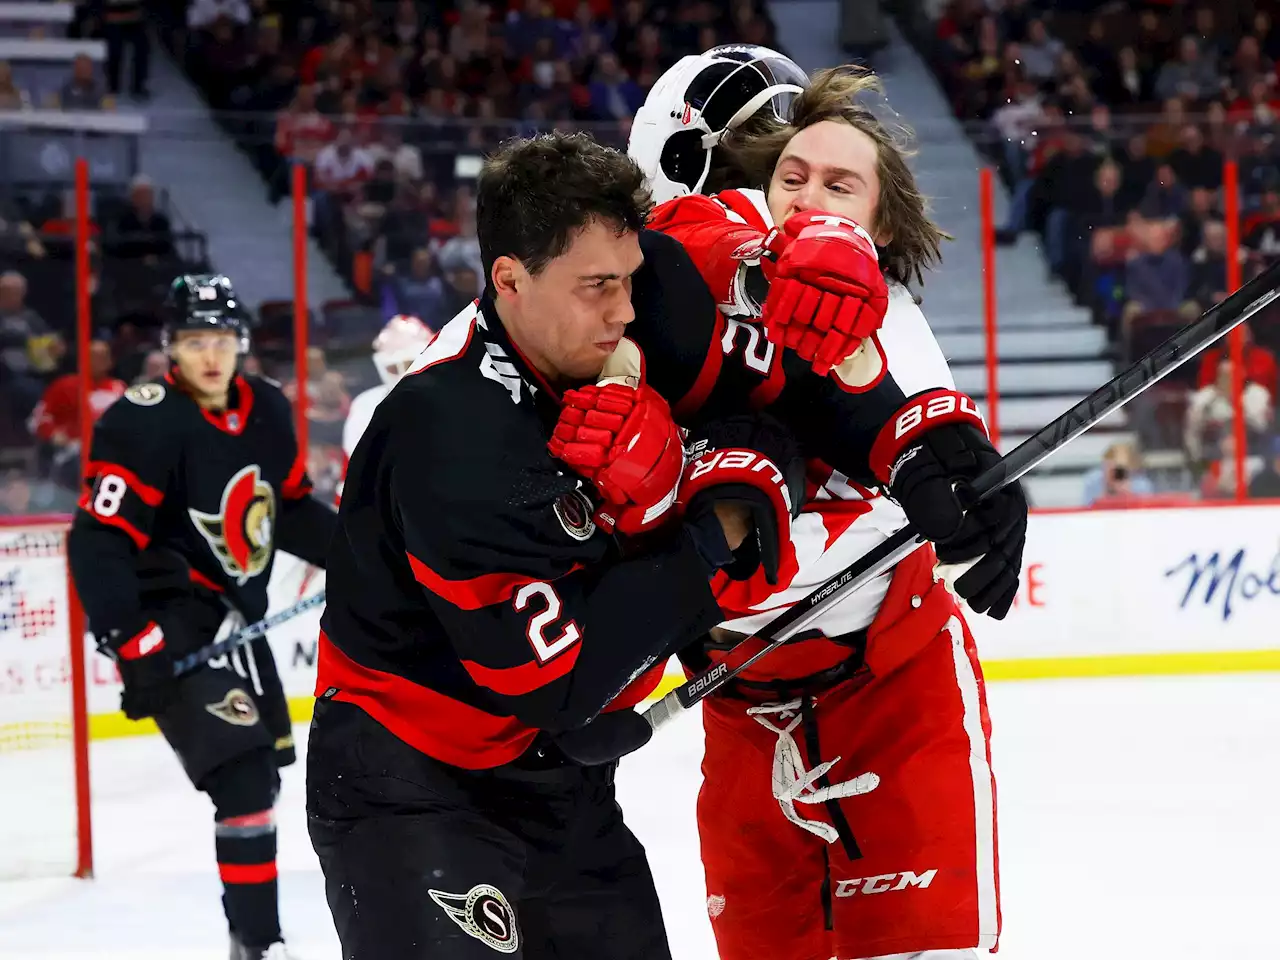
(484, 913)
(145, 394)
(574, 513)
(237, 708)
(241, 534)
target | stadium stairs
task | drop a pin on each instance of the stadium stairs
(216, 190)
(1051, 354)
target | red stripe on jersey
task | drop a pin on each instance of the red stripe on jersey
(147, 494)
(527, 677)
(200, 580)
(296, 485)
(692, 401)
(477, 592)
(247, 872)
(117, 521)
(430, 722)
(837, 516)
(765, 394)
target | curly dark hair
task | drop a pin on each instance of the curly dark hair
(534, 194)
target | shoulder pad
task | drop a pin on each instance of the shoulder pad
(143, 433)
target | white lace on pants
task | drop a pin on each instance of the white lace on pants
(792, 783)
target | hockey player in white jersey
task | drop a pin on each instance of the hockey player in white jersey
(394, 350)
(854, 760)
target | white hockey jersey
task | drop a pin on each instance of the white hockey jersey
(841, 520)
(360, 414)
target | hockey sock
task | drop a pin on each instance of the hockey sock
(246, 847)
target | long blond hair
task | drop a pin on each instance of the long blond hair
(748, 156)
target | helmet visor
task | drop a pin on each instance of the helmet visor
(738, 83)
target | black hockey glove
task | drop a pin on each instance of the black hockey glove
(146, 669)
(752, 461)
(606, 738)
(925, 456)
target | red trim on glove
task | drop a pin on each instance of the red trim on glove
(148, 640)
(920, 414)
(735, 465)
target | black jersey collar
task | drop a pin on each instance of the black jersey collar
(496, 333)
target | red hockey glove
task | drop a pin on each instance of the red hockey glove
(753, 461)
(146, 669)
(926, 455)
(622, 439)
(828, 294)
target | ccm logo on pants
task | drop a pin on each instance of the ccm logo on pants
(884, 883)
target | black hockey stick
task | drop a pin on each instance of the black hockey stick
(244, 635)
(1168, 356)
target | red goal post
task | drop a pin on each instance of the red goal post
(45, 820)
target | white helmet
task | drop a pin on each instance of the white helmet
(398, 345)
(695, 103)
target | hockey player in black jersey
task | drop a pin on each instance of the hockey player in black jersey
(487, 603)
(193, 484)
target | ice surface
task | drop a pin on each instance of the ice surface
(1137, 819)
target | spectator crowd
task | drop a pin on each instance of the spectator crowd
(1111, 124)
(388, 106)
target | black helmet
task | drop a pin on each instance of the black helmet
(204, 301)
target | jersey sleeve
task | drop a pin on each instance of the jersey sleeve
(131, 462)
(542, 611)
(832, 421)
(838, 425)
(721, 243)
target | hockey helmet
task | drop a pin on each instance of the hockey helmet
(700, 99)
(398, 345)
(204, 301)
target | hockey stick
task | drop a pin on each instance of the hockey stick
(244, 635)
(1167, 357)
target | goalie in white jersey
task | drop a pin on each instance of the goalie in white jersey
(870, 732)
(394, 350)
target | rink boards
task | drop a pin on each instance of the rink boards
(1104, 593)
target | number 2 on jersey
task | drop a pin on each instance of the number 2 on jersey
(544, 648)
(753, 357)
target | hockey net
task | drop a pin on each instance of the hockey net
(44, 757)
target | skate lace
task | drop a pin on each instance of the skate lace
(792, 783)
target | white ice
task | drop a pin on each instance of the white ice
(1138, 819)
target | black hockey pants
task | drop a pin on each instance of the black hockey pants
(425, 860)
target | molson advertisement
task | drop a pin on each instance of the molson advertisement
(1104, 593)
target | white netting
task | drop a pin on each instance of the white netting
(37, 752)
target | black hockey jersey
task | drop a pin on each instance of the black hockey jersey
(221, 490)
(471, 600)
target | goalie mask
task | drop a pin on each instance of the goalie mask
(203, 301)
(695, 103)
(398, 345)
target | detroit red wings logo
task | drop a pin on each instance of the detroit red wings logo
(242, 532)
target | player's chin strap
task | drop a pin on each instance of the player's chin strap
(792, 783)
